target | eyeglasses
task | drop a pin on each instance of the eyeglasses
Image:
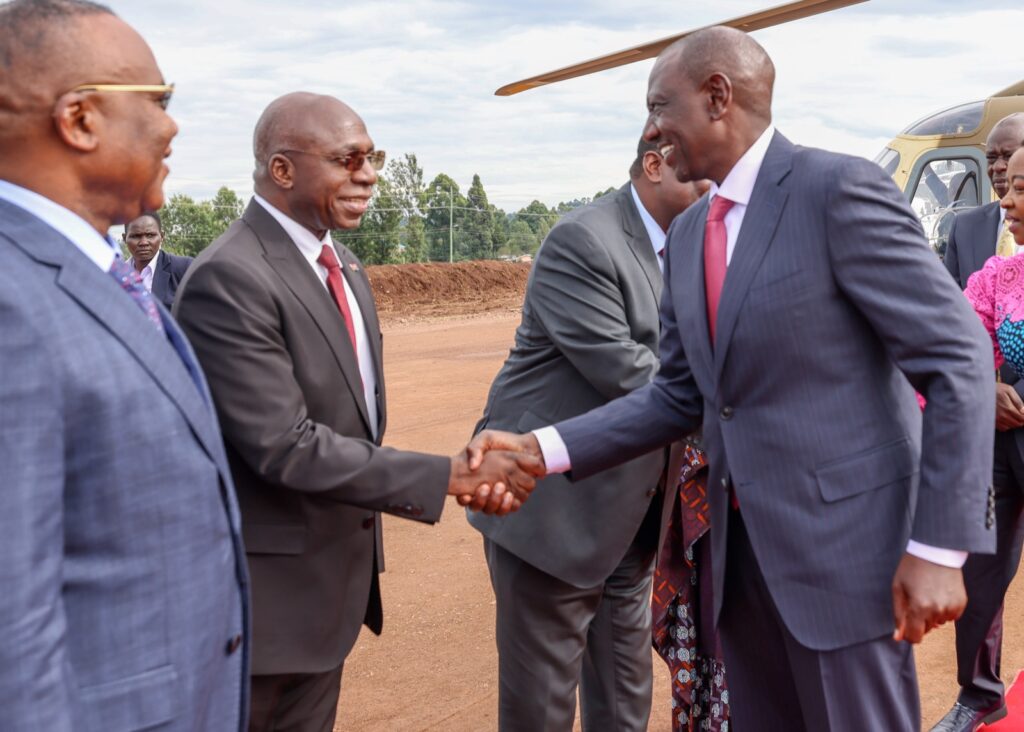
(164, 90)
(353, 162)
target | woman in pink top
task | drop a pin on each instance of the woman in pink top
(997, 290)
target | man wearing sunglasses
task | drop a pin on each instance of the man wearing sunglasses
(124, 602)
(284, 323)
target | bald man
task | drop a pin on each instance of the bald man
(124, 602)
(840, 514)
(976, 235)
(284, 323)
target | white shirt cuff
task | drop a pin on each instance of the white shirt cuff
(946, 557)
(556, 454)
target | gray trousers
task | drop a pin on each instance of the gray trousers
(553, 637)
(295, 702)
(778, 685)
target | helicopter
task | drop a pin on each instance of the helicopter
(938, 161)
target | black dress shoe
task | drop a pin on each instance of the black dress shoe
(965, 719)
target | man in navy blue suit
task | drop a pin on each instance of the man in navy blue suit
(799, 301)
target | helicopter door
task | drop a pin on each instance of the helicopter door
(942, 182)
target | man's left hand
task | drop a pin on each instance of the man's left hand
(925, 595)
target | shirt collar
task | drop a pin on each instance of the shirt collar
(99, 249)
(304, 239)
(654, 231)
(739, 183)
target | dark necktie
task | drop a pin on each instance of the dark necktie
(715, 244)
(130, 281)
(329, 261)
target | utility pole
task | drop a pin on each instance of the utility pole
(451, 219)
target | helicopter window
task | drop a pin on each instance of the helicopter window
(945, 186)
(958, 120)
(889, 159)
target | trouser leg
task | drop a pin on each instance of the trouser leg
(541, 628)
(295, 702)
(616, 680)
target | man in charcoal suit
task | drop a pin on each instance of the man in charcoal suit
(284, 323)
(840, 513)
(576, 562)
(976, 235)
(125, 599)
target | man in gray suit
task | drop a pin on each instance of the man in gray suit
(571, 571)
(124, 603)
(973, 238)
(840, 513)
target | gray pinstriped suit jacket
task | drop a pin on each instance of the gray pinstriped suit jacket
(830, 298)
(123, 577)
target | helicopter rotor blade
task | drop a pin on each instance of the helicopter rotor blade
(747, 23)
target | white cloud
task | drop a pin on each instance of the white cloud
(422, 74)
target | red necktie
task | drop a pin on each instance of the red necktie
(715, 239)
(329, 261)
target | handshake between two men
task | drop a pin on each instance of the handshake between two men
(496, 472)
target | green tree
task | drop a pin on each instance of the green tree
(479, 223)
(190, 226)
(521, 239)
(440, 194)
(408, 190)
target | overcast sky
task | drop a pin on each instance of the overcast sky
(422, 74)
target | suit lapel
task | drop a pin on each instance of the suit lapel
(162, 277)
(759, 223)
(987, 238)
(288, 263)
(100, 295)
(639, 241)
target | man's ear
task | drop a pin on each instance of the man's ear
(78, 121)
(281, 171)
(652, 166)
(718, 88)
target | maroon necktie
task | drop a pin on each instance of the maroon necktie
(329, 261)
(715, 239)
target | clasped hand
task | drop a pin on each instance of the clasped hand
(496, 472)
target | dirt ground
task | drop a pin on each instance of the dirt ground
(434, 668)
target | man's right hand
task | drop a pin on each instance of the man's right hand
(496, 440)
(498, 485)
(1009, 408)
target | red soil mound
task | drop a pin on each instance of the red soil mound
(415, 291)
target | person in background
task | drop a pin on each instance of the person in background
(160, 271)
(997, 293)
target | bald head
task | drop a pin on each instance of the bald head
(1003, 141)
(709, 99)
(299, 121)
(733, 54)
(311, 161)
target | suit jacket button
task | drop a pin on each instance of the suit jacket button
(651, 492)
(725, 483)
(368, 522)
(726, 413)
(233, 645)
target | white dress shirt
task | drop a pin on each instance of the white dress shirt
(654, 231)
(737, 187)
(147, 271)
(310, 247)
(101, 251)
